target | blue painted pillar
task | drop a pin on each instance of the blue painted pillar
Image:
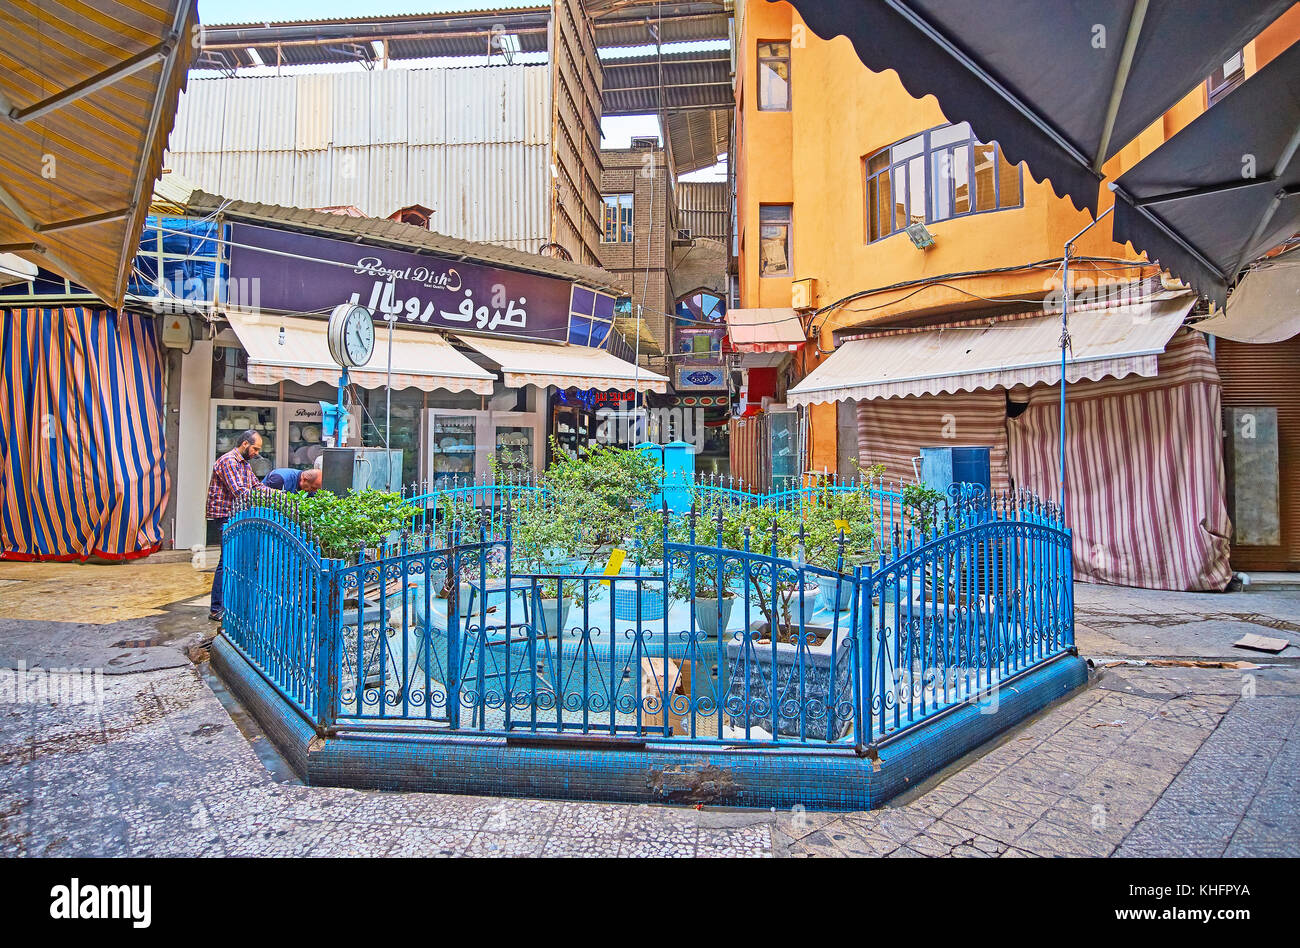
(679, 473)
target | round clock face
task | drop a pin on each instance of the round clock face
(358, 336)
(351, 335)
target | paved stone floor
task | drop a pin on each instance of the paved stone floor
(1148, 760)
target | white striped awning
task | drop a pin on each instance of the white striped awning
(1104, 343)
(564, 365)
(421, 358)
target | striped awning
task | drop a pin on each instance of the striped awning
(565, 366)
(422, 359)
(83, 465)
(88, 93)
(1108, 342)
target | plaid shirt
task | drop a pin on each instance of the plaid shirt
(232, 475)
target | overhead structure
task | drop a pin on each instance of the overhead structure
(87, 100)
(1061, 87)
(690, 90)
(1226, 189)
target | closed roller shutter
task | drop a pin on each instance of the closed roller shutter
(1269, 375)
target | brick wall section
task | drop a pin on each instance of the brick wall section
(643, 173)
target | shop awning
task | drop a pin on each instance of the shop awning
(565, 366)
(1060, 86)
(1265, 306)
(1107, 342)
(1225, 189)
(421, 359)
(765, 330)
(87, 97)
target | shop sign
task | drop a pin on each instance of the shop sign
(307, 274)
(698, 377)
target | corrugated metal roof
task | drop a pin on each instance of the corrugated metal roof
(404, 236)
(460, 33)
(691, 79)
(470, 143)
(75, 159)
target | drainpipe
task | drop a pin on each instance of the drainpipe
(1065, 338)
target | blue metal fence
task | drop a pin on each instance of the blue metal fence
(704, 643)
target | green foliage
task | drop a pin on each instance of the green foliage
(342, 525)
(602, 487)
(924, 503)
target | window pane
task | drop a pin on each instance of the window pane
(873, 210)
(950, 134)
(916, 189)
(878, 162)
(886, 212)
(984, 165)
(961, 179)
(774, 244)
(774, 85)
(913, 146)
(1008, 183)
(900, 197)
(941, 182)
(776, 213)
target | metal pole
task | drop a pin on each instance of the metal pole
(388, 407)
(338, 419)
(1065, 337)
(1065, 342)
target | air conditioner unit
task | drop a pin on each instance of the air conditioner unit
(649, 141)
(683, 236)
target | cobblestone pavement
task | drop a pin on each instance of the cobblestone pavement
(1147, 761)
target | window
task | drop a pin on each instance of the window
(1226, 78)
(774, 240)
(774, 77)
(937, 175)
(591, 316)
(618, 218)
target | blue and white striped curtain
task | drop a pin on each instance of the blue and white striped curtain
(82, 460)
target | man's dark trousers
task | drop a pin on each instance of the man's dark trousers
(217, 604)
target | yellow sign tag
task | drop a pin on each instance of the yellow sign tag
(614, 564)
(842, 525)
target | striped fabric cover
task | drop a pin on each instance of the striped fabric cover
(1144, 468)
(82, 461)
(891, 431)
(748, 441)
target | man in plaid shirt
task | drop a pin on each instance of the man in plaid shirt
(232, 476)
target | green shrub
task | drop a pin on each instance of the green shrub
(343, 525)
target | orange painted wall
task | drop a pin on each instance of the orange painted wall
(813, 157)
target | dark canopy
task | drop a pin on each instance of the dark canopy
(1060, 86)
(1223, 190)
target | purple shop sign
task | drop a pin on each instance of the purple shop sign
(422, 289)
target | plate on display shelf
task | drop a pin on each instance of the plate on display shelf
(295, 432)
(261, 466)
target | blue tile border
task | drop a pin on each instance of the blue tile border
(461, 763)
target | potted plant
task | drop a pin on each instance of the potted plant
(543, 536)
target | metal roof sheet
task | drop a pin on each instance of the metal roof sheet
(404, 236)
